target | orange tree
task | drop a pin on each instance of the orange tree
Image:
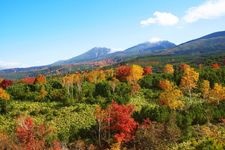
(122, 72)
(40, 79)
(165, 85)
(168, 69)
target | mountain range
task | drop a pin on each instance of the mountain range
(101, 53)
(100, 56)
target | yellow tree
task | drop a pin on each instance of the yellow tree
(165, 85)
(216, 94)
(189, 80)
(4, 95)
(136, 73)
(172, 98)
(205, 88)
(168, 69)
(95, 76)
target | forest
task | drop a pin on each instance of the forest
(126, 107)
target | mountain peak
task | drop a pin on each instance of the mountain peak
(91, 54)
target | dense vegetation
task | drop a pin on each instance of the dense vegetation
(173, 107)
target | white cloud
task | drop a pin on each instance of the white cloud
(161, 18)
(6, 65)
(209, 10)
(155, 39)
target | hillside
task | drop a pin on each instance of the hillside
(209, 44)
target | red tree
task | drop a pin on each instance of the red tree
(28, 80)
(121, 122)
(31, 136)
(147, 70)
(40, 79)
(215, 66)
(6, 83)
(123, 72)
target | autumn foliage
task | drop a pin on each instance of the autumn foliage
(171, 96)
(168, 69)
(40, 79)
(147, 70)
(215, 66)
(189, 80)
(6, 83)
(165, 85)
(28, 80)
(205, 88)
(216, 94)
(31, 136)
(184, 67)
(136, 73)
(4, 95)
(121, 122)
(123, 72)
(27, 134)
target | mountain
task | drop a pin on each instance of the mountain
(209, 44)
(90, 55)
(149, 48)
(139, 50)
(99, 53)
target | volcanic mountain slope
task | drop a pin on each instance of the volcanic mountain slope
(209, 44)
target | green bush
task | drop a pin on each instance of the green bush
(122, 93)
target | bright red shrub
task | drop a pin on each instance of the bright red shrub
(6, 83)
(30, 136)
(28, 80)
(123, 72)
(215, 66)
(147, 70)
(122, 124)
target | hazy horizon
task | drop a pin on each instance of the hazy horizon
(34, 33)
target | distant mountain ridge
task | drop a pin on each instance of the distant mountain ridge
(101, 53)
(212, 43)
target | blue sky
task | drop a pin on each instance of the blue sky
(39, 32)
